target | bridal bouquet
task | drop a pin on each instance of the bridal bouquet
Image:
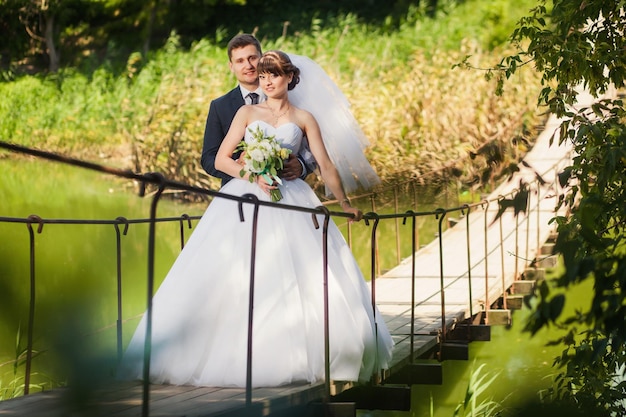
(264, 157)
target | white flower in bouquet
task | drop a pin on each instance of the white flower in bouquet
(263, 156)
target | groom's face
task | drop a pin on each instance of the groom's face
(243, 62)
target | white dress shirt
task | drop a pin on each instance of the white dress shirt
(244, 94)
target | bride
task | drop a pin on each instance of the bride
(200, 312)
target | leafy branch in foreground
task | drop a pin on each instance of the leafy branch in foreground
(578, 46)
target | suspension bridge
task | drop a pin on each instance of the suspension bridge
(435, 302)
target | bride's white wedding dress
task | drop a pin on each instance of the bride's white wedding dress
(200, 312)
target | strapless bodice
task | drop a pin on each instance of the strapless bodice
(289, 134)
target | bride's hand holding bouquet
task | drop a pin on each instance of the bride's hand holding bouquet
(263, 158)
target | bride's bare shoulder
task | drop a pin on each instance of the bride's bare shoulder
(302, 114)
(250, 112)
(305, 120)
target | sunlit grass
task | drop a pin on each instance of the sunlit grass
(418, 112)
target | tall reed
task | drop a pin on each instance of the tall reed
(420, 115)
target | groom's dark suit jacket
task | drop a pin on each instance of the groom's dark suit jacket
(221, 113)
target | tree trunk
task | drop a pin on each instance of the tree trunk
(53, 56)
(431, 10)
(149, 26)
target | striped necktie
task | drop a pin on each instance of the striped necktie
(254, 98)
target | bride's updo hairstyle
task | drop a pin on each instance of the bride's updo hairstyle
(278, 62)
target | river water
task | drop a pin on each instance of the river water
(522, 365)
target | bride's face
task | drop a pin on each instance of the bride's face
(274, 85)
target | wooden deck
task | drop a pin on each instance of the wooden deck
(491, 276)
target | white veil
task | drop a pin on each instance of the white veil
(342, 135)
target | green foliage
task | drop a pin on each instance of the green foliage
(477, 386)
(83, 29)
(592, 244)
(576, 45)
(148, 112)
(12, 384)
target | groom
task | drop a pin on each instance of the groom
(244, 52)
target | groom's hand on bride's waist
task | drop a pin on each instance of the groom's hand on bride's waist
(240, 159)
(292, 168)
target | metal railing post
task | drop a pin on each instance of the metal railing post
(374, 270)
(375, 253)
(182, 229)
(327, 392)
(413, 252)
(118, 256)
(441, 214)
(31, 310)
(255, 220)
(504, 303)
(397, 225)
(487, 304)
(469, 258)
(160, 179)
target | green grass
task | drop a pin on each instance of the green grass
(418, 112)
